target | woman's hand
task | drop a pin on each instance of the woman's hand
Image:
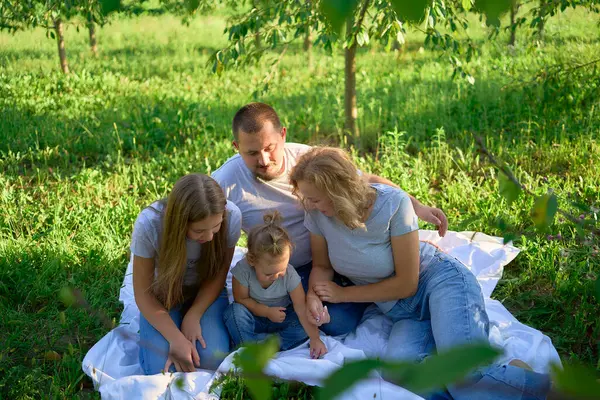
(182, 354)
(316, 313)
(329, 291)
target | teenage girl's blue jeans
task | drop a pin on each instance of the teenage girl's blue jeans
(154, 348)
(447, 311)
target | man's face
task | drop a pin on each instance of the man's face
(263, 151)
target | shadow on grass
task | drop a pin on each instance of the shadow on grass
(43, 341)
(144, 125)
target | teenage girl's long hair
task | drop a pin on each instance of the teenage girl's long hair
(194, 197)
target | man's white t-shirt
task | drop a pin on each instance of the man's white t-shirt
(255, 197)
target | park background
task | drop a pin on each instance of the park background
(82, 153)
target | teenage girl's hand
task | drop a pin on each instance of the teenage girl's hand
(316, 313)
(182, 354)
(191, 329)
(317, 348)
(276, 314)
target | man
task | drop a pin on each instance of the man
(257, 181)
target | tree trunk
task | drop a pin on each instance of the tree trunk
(350, 109)
(93, 43)
(257, 41)
(257, 37)
(513, 27)
(308, 47)
(60, 40)
(542, 23)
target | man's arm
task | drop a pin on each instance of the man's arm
(425, 213)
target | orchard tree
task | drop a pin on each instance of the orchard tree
(96, 12)
(537, 16)
(356, 23)
(352, 24)
(52, 15)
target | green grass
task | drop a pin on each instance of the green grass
(81, 155)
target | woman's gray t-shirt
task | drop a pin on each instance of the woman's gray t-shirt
(276, 295)
(147, 231)
(365, 255)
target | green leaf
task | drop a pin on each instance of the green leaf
(467, 4)
(342, 379)
(179, 383)
(338, 11)
(410, 10)
(252, 360)
(576, 380)
(66, 296)
(508, 237)
(192, 5)
(52, 355)
(108, 6)
(493, 9)
(598, 288)
(359, 39)
(52, 35)
(508, 189)
(440, 370)
(544, 210)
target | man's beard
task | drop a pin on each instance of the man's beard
(269, 177)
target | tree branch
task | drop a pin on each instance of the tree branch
(362, 14)
(506, 171)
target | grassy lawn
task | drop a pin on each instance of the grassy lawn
(81, 155)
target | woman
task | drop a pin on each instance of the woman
(182, 248)
(369, 233)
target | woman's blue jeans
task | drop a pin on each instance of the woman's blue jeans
(448, 310)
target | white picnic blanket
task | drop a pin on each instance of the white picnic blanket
(113, 363)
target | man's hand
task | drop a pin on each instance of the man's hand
(434, 216)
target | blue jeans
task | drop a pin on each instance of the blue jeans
(447, 311)
(244, 327)
(344, 316)
(153, 356)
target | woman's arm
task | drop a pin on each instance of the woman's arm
(321, 272)
(405, 249)
(321, 266)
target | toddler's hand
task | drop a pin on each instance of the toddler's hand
(317, 348)
(276, 314)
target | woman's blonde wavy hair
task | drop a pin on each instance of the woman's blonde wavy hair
(269, 238)
(194, 197)
(332, 172)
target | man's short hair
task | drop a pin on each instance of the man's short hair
(251, 118)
